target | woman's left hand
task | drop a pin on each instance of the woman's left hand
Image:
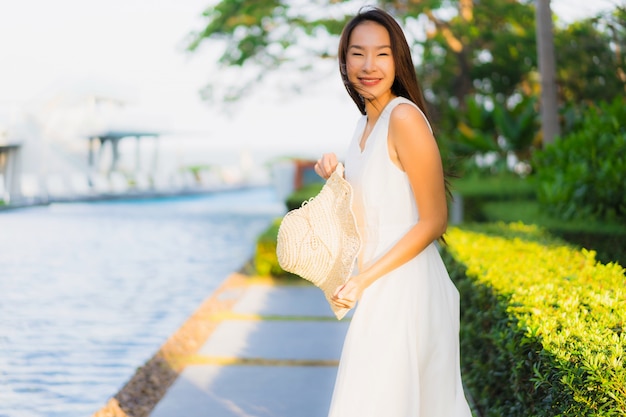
(348, 294)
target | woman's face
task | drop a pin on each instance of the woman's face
(369, 61)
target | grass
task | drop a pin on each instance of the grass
(494, 187)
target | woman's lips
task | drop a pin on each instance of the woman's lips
(369, 82)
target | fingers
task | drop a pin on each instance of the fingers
(326, 165)
(343, 294)
(341, 297)
(338, 290)
(341, 303)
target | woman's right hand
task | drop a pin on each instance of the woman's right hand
(326, 165)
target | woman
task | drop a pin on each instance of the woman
(401, 354)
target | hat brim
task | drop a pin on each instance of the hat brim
(350, 244)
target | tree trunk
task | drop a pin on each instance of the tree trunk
(547, 69)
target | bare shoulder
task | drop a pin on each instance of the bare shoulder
(405, 111)
(411, 144)
(406, 119)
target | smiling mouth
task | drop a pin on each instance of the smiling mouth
(369, 81)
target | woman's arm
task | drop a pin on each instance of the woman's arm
(412, 148)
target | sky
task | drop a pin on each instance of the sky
(134, 50)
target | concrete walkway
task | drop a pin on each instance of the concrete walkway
(275, 353)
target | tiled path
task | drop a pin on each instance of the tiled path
(275, 353)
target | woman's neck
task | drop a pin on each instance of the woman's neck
(373, 108)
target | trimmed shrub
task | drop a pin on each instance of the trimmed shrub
(605, 238)
(265, 260)
(542, 324)
(296, 198)
(582, 174)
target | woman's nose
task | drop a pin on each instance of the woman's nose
(368, 63)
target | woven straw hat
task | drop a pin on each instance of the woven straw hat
(320, 240)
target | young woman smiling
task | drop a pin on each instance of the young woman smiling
(401, 353)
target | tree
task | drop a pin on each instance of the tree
(481, 46)
(617, 26)
(590, 59)
(545, 48)
(261, 36)
(484, 50)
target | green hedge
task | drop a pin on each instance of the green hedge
(509, 198)
(308, 191)
(265, 260)
(542, 323)
(604, 237)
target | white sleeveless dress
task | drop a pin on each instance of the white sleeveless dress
(401, 353)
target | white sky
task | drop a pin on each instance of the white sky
(133, 49)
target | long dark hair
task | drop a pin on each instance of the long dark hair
(405, 83)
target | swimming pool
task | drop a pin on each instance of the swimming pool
(89, 291)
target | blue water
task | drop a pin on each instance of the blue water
(90, 291)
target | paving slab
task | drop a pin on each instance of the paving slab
(287, 340)
(283, 301)
(273, 355)
(249, 391)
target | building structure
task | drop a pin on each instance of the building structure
(10, 171)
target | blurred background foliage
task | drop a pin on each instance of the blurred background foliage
(463, 48)
(477, 62)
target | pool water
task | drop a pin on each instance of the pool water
(90, 291)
